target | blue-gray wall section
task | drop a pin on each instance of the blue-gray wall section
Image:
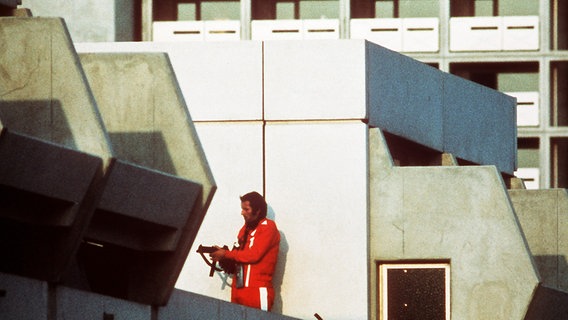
(439, 110)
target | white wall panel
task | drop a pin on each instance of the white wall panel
(316, 183)
(234, 153)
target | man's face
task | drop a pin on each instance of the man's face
(247, 213)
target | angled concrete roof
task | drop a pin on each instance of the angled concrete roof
(52, 146)
(132, 196)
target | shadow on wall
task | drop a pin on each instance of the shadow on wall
(41, 119)
(147, 149)
(552, 269)
(280, 266)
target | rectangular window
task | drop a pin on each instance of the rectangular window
(414, 291)
(319, 9)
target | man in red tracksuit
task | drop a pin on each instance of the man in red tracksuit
(256, 255)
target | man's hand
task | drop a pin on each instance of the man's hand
(218, 254)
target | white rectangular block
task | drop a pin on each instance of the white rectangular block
(320, 29)
(384, 32)
(316, 183)
(420, 35)
(521, 33)
(475, 34)
(178, 31)
(276, 30)
(225, 30)
(527, 108)
(314, 80)
(530, 177)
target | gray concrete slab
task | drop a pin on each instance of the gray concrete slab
(23, 298)
(77, 304)
(149, 126)
(192, 306)
(405, 97)
(479, 124)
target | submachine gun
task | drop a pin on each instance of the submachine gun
(225, 265)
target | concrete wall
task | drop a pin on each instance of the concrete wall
(543, 214)
(458, 214)
(107, 20)
(28, 299)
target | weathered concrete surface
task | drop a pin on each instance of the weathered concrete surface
(149, 128)
(460, 214)
(52, 142)
(25, 298)
(108, 20)
(543, 215)
(187, 305)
